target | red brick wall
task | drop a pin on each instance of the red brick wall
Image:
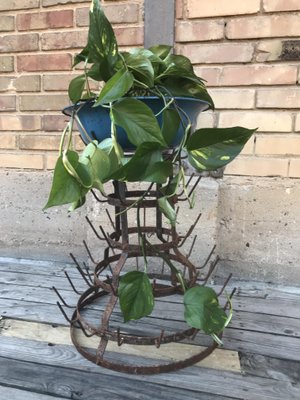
(38, 40)
(237, 47)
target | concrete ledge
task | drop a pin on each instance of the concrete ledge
(255, 223)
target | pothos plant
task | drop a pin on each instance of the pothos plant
(125, 79)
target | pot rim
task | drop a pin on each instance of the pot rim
(68, 109)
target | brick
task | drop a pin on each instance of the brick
(56, 82)
(39, 142)
(197, 31)
(263, 26)
(18, 160)
(281, 5)
(217, 53)
(297, 126)
(278, 98)
(54, 123)
(25, 83)
(206, 120)
(8, 103)
(63, 40)
(211, 8)
(43, 102)
(294, 168)
(51, 159)
(17, 43)
(48, 3)
(6, 63)
(28, 83)
(269, 50)
(249, 147)
(6, 83)
(116, 14)
(7, 141)
(265, 121)
(210, 74)
(45, 20)
(20, 123)
(9, 5)
(258, 166)
(7, 23)
(278, 145)
(79, 145)
(233, 98)
(179, 9)
(129, 36)
(258, 75)
(44, 62)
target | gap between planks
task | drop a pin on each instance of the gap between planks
(220, 359)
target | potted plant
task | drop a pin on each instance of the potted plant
(139, 127)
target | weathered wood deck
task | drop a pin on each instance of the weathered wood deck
(260, 359)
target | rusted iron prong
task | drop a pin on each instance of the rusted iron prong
(225, 284)
(195, 185)
(61, 298)
(189, 232)
(89, 253)
(97, 198)
(187, 184)
(110, 219)
(87, 272)
(64, 314)
(71, 283)
(88, 335)
(208, 258)
(194, 334)
(159, 339)
(192, 247)
(210, 271)
(106, 239)
(93, 228)
(79, 269)
(120, 340)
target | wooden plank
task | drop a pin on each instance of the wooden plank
(270, 367)
(82, 384)
(234, 339)
(18, 394)
(219, 359)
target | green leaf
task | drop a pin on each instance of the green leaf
(102, 44)
(167, 210)
(161, 50)
(82, 56)
(145, 165)
(138, 121)
(202, 310)
(135, 295)
(212, 148)
(98, 161)
(116, 87)
(95, 72)
(182, 87)
(181, 62)
(76, 88)
(170, 126)
(108, 147)
(65, 189)
(141, 68)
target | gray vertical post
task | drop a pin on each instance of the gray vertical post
(159, 22)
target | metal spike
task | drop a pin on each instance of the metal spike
(93, 228)
(79, 269)
(71, 283)
(61, 298)
(208, 258)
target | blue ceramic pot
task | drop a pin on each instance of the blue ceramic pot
(94, 122)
